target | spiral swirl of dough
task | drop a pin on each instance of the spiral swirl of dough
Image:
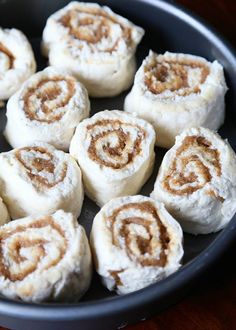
(95, 27)
(113, 143)
(46, 101)
(181, 77)
(24, 248)
(194, 165)
(138, 229)
(41, 166)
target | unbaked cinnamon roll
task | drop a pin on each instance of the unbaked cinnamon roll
(17, 61)
(115, 152)
(47, 108)
(44, 258)
(197, 181)
(178, 91)
(94, 44)
(135, 242)
(39, 179)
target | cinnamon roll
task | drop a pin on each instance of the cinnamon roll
(197, 181)
(44, 258)
(47, 108)
(17, 61)
(4, 215)
(115, 152)
(94, 44)
(135, 242)
(178, 91)
(39, 179)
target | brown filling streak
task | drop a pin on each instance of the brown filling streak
(213, 194)
(114, 151)
(40, 164)
(9, 54)
(211, 155)
(16, 247)
(156, 76)
(116, 277)
(48, 95)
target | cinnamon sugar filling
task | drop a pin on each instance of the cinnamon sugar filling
(178, 180)
(38, 164)
(173, 76)
(93, 26)
(146, 246)
(49, 98)
(18, 243)
(116, 277)
(8, 53)
(122, 153)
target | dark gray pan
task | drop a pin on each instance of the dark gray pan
(168, 27)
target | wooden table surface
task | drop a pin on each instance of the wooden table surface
(212, 303)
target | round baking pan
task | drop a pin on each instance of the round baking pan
(168, 27)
